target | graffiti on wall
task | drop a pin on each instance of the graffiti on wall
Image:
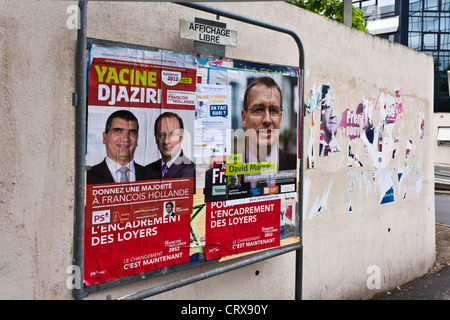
(376, 122)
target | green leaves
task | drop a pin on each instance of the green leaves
(333, 9)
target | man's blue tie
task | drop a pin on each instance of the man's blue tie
(163, 169)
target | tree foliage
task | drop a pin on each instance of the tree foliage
(333, 9)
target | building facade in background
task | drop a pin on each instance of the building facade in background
(422, 25)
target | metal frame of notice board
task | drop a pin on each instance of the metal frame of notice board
(80, 101)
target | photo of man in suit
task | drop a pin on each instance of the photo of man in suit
(169, 136)
(120, 139)
(261, 119)
(331, 121)
(169, 212)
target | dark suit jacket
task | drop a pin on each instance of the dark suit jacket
(101, 174)
(181, 168)
(287, 160)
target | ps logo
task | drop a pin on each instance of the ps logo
(102, 216)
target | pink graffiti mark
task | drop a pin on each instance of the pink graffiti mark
(351, 124)
(395, 111)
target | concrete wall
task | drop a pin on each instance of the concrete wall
(343, 249)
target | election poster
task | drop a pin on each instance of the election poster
(187, 160)
(212, 121)
(251, 190)
(140, 112)
(233, 229)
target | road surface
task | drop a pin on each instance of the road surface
(442, 199)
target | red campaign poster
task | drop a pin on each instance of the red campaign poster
(128, 229)
(132, 84)
(239, 228)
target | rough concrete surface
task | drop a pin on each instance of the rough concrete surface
(435, 285)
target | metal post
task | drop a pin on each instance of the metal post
(299, 251)
(205, 275)
(79, 293)
(258, 23)
(402, 7)
(80, 148)
(448, 80)
(348, 14)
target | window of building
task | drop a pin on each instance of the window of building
(443, 62)
(443, 137)
(445, 22)
(443, 83)
(430, 41)
(431, 5)
(386, 8)
(415, 40)
(445, 42)
(376, 9)
(415, 6)
(445, 5)
(415, 23)
(428, 30)
(430, 23)
(388, 36)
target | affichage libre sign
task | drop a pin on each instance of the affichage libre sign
(179, 168)
(206, 33)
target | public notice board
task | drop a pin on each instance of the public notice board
(187, 160)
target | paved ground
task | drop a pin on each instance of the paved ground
(435, 285)
(443, 208)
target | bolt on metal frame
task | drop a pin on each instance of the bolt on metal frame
(80, 101)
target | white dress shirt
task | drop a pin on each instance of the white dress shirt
(114, 169)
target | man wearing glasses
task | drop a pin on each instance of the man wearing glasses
(169, 135)
(261, 118)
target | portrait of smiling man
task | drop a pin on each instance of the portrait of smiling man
(120, 139)
(261, 119)
(169, 134)
(257, 141)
